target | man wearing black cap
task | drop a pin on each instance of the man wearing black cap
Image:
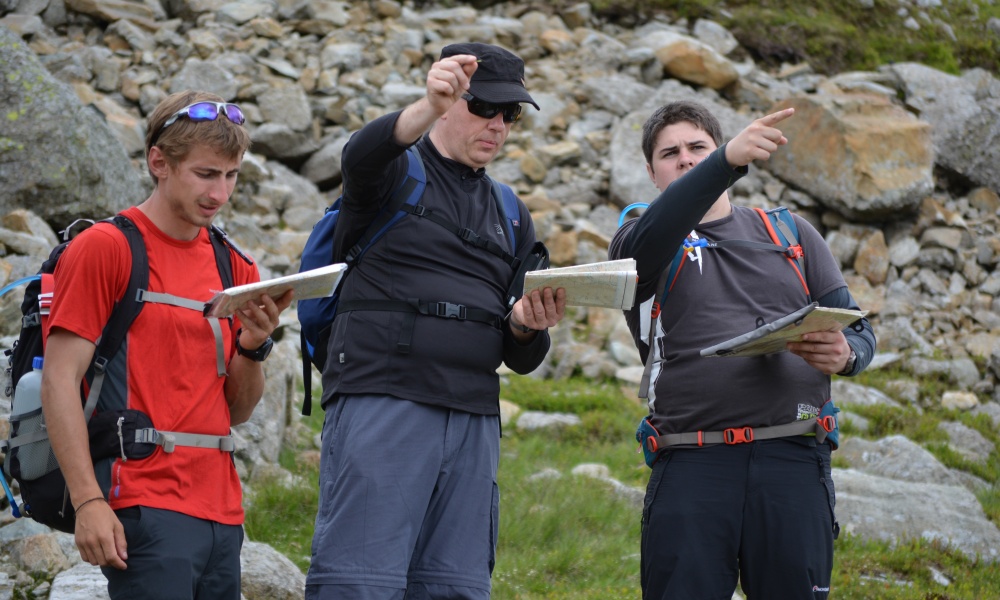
(409, 503)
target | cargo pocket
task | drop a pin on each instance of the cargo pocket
(826, 478)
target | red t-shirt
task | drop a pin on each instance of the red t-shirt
(171, 363)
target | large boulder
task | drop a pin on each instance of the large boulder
(860, 155)
(57, 157)
(964, 113)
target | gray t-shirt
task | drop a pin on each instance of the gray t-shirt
(715, 298)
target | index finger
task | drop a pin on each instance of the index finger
(776, 117)
(467, 62)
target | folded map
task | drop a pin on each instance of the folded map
(773, 337)
(609, 284)
(317, 283)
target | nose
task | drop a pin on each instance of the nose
(220, 190)
(685, 160)
(496, 122)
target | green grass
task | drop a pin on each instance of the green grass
(837, 35)
(571, 537)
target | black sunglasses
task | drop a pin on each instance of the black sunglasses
(488, 110)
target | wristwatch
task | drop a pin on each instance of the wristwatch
(853, 358)
(257, 355)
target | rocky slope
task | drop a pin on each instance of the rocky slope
(895, 167)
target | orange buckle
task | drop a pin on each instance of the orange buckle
(655, 312)
(828, 423)
(737, 435)
(651, 444)
(794, 252)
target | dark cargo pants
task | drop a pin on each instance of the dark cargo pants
(760, 512)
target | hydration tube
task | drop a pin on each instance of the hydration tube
(22, 281)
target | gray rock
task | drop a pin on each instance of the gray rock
(82, 582)
(530, 420)
(884, 509)
(205, 76)
(968, 442)
(847, 394)
(287, 105)
(965, 128)
(323, 167)
(81, 171)
(896, 457)
(269, 575)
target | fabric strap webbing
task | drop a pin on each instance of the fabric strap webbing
(737, 435)
(413, 307)
(170, 439)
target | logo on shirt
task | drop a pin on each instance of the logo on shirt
(498, 229)
(807, 411)
(818, 589)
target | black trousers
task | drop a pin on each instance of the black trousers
(172, 556)
(760, 512)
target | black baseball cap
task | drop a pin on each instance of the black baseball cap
(499, 78)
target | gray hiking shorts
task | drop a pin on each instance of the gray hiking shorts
(409, 504)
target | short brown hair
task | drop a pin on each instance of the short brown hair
(176, 142)
(678, 112)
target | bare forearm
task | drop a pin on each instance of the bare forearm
(65, 422)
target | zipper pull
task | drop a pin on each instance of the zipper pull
(121, 438)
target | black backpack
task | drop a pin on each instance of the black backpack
(45, 498)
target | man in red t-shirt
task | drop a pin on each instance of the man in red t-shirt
(168, 525)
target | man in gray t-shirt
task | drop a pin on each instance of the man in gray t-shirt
(759, 507)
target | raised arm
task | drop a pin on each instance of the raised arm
(447, 80)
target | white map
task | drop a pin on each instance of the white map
(608, 284)
(317, 283)
(773, 337)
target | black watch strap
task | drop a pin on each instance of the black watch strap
(257, 355)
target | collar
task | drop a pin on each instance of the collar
(459, 170)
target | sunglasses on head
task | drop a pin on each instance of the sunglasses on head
(488, 110)
(204, 111)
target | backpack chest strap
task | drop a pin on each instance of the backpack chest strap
(414, 307)
(161, 298)
(171, 439)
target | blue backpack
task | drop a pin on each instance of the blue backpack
(316, 316)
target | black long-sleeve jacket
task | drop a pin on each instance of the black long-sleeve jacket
(451, 363)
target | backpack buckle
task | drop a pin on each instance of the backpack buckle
(450, 311)
(737, 435)
(828, 423)
(419, 210)
(794, 252)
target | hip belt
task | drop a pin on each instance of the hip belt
(820, 426)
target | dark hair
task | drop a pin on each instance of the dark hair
(678, 112)
(222, 135)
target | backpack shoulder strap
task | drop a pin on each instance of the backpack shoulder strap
(223, 261)
(409, 193)
(784, 232)
(125, 311)
(510, 212)
(222, 244)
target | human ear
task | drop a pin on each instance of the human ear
(157, 162)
